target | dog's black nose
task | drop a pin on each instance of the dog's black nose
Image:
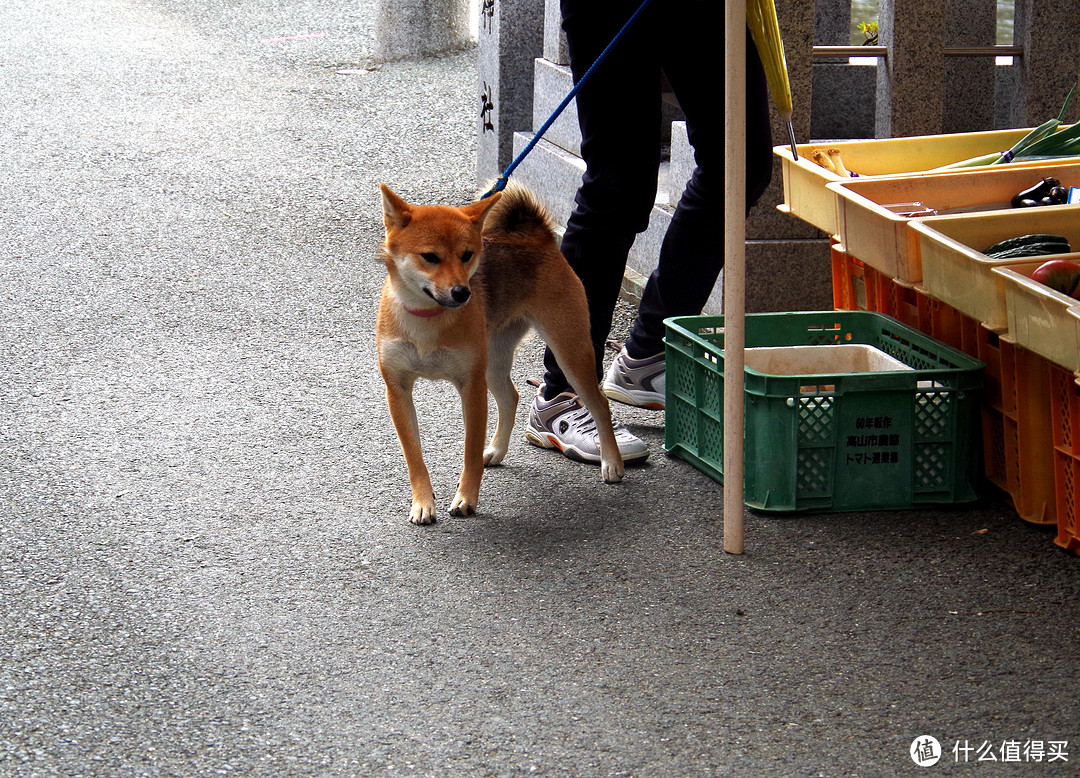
(461, 294)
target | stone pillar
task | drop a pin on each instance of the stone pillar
(970, 81)
(787, 260)
(418, 28)
(843, 93)
(832, 24)
(911, 89)
(797, 30)
(1049, 32)
(511, 37)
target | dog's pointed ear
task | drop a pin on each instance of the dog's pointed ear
(478, 210)
(396, 212)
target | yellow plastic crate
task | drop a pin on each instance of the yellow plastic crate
(880, 237)
(1040, 319)
(805, 192)
(955, 270)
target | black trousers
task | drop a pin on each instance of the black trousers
(619, 111)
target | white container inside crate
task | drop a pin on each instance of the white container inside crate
(821, 360)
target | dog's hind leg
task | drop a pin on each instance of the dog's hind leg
(501, 351)
(560, 313)
(574, 353)
(580, 372)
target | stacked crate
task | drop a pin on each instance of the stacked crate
(929, 273)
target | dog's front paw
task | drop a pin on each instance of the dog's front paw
(493, 455)
(611, 472)
(463, 506)
(423, 512)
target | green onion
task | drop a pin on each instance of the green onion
(1047, 141)
(1033, 137)
(1061, 143)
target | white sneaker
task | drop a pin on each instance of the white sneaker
(564, 423)
(638, 382)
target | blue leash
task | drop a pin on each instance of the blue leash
(501, 182)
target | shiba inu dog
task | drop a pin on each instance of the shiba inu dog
(463, 287)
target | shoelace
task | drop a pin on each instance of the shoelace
(586, 424)
(581, 418)
(583, 421)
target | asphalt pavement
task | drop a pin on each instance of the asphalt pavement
(206, 566)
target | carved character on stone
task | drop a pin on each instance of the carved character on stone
(487, 109)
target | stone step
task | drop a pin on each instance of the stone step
(565, 135)
(551, 172)
(646, 249)
(554, 175)
(682, 161)
(552, 83)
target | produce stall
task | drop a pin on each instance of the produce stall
(822, 458)
(980, 249)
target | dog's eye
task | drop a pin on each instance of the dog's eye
(466, 256)
(430, 257)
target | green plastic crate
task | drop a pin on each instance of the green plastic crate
(831, 441)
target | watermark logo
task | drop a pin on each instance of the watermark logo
(925, 751)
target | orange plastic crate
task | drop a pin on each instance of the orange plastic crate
(859, 287)
(1065, 409)
(1017, 434)
(1018, 452)
(948, 325)
(848, 280)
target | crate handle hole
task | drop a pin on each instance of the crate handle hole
(819, 389)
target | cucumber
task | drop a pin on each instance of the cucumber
(1041, 240)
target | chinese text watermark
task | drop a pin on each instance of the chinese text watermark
(926, 751)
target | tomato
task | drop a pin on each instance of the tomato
(1061, 275)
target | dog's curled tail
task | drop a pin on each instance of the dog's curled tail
(520, 212)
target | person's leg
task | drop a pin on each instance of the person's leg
(619, 117)
(691, 256)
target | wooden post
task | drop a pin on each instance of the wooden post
(734, 269)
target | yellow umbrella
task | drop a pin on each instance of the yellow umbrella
(765, 30)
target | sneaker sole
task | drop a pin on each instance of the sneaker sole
(550, 441)
(645, 400)
(546, 440)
